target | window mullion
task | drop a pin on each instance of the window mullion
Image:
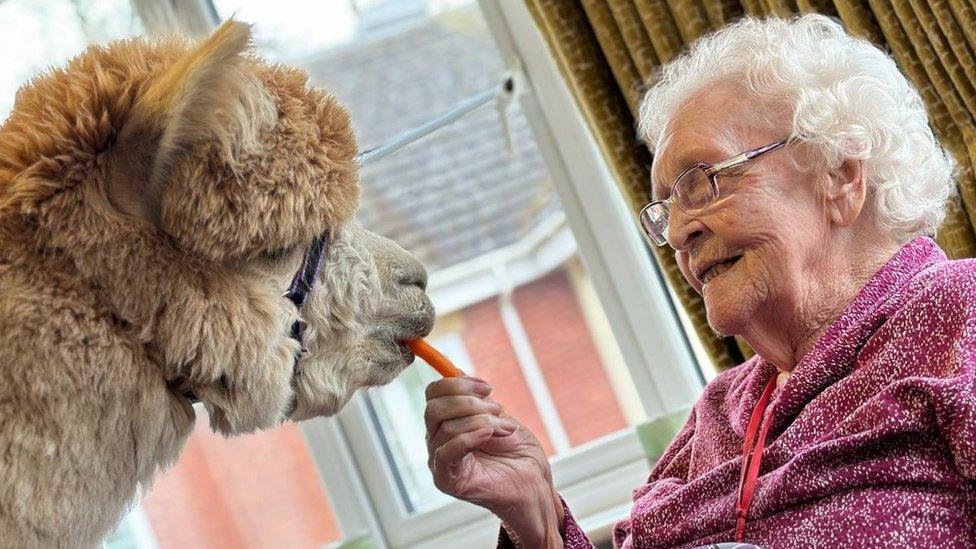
(529, 365)
(341, 475)
(630, 287)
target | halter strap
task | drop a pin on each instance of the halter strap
(302, 283)
(298, 292)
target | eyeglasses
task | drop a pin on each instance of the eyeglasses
(693, 190)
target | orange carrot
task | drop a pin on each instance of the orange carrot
(433, 357)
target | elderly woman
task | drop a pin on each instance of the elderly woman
(796, 177)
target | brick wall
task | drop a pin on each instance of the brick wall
(564, 349)
(494, 358)
(253, 491)
(554, 322)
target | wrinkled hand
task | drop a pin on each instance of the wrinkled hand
(480, 454)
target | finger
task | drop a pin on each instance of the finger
(466, 385)
(503, 413)
(451, 452)
(450, 407)
(454, 427)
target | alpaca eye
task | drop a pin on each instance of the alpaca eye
(278, 253)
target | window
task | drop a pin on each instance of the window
(403, 443)
(488, 204)
(542, 284)
(75, 23)
(260, 490)
(133, 532)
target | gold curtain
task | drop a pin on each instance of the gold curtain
(608, 50)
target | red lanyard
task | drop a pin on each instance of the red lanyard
(751, 459)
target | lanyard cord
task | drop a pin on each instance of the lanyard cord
(752, 459)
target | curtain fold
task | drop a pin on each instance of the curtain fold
(608, 51)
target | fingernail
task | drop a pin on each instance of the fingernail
(476, 379)
(483, 389)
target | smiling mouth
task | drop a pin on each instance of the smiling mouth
(718, 269)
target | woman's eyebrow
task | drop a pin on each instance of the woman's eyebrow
(685, 161)
(709, 153)
(655, 190)
(659, 190)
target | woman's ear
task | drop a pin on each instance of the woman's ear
(193, 100)
(846, 192)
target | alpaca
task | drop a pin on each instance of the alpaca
(156, 199)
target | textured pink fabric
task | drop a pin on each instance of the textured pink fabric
(573, 535)
(872, 441)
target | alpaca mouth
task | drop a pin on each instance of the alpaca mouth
(405, 352)
(394, 357)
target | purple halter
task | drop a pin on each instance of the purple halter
(302, 283)
(298, 292)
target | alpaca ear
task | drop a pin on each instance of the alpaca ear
(193, 100)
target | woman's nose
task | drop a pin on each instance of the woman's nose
(684, 229)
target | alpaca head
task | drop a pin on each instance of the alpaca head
(184, 182)
(368, 300)
(248, 164)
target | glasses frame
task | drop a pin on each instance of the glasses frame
(711, 171)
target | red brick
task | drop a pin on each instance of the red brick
(568, 358)
(258, 490)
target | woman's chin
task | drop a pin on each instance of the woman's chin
(727, 313)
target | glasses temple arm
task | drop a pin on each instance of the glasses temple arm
(765, 149)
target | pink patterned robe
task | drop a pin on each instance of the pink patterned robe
(872, 441)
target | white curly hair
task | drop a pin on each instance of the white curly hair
(848, 99)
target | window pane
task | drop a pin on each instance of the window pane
(394, 410)
(65, 28)
(514, 304)
(133, 532)
(259, 490)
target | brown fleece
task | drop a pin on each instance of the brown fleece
(140, 187)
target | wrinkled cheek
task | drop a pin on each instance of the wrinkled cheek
(731, 309)
(682, 259)
(728, 312)
(761, 273)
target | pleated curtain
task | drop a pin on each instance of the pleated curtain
(608, 51)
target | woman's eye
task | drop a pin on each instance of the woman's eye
(730, 176)
(738, 172)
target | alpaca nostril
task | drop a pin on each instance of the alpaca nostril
(411, 275)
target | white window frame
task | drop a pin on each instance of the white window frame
(626, 277)
(597, 478)
(137, 525)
